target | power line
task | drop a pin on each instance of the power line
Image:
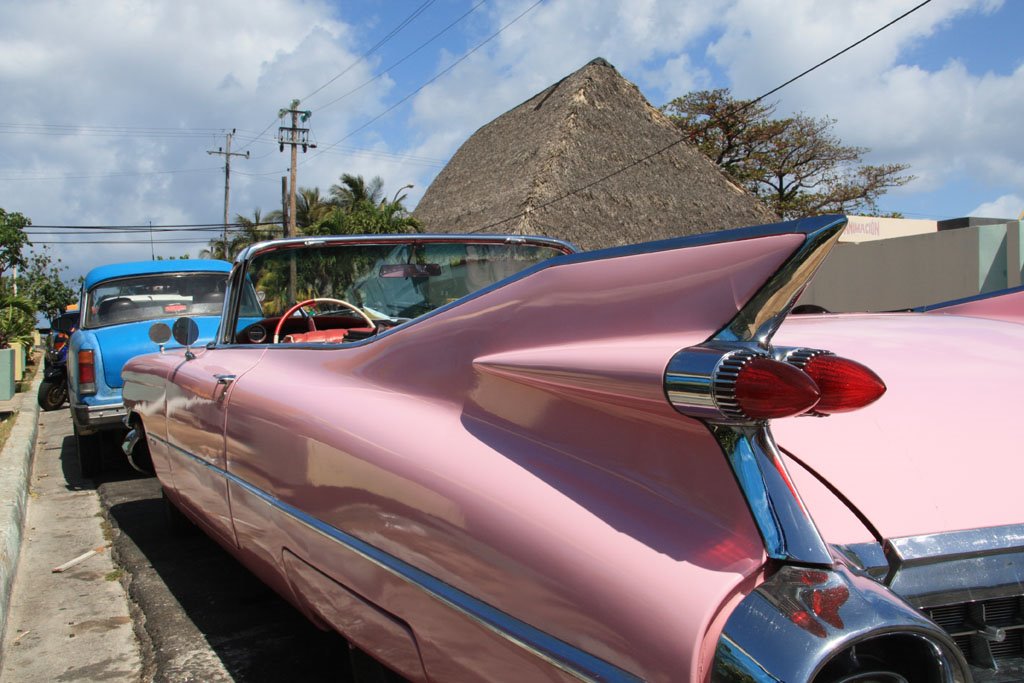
(91, 130)
(120, 242)
(431, 80)
(385, 70)
(117, 174)
(349, 151)
(133, 231)
(391, 34)
(637, 162)
(197, 226)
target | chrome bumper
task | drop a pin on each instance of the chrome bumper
(89, 419)
(803, 623)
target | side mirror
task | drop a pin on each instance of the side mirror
(186, 332)
(160, 334)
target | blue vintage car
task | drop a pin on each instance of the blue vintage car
(119, 305)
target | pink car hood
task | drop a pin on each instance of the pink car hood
(940, 451)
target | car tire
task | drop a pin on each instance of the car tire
(52, 394)
(90, 454)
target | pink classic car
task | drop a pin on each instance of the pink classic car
(487, 458)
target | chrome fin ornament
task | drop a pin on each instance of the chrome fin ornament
(699, 382)
(762, 315)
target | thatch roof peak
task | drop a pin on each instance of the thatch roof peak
(509, 176)
(599, 61)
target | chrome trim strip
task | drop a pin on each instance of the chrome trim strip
(558, 653)
(787, 529)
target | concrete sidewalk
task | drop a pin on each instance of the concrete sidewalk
(15, 463)
(76, 624)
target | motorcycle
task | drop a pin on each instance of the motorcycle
(53, 390)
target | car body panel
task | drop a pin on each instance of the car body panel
(935, 476)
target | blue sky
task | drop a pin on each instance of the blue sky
(110, 107)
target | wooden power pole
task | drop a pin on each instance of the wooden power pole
(227, 154)
(295, 137)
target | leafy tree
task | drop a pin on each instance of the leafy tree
(13, 239)
(17, 312)
(43, 285)
(795, 164)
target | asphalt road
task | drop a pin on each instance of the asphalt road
(206, 618)
(198, 615)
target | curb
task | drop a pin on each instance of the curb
(15, 468)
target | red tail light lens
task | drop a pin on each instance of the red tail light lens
(768, 389)
(86, 372)
(845, 384)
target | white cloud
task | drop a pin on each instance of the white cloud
(1007, 206)
(192, 69)
(943, 122)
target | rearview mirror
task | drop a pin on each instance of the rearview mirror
(410, 270)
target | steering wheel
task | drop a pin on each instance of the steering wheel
(312, 325)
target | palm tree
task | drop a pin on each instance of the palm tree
(310, 207)
(217, 248)
(250, 231)
(354, 190)
(257, 229)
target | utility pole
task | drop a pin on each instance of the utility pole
(284, 205)
(295, 137)
(227, 154)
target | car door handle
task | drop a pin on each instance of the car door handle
(223, 381)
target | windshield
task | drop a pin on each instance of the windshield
(151, 297)
(387, 282)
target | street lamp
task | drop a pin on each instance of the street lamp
(400, 190)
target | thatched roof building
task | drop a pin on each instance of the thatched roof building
(571, 135)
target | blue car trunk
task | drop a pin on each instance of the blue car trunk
(119, 343)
